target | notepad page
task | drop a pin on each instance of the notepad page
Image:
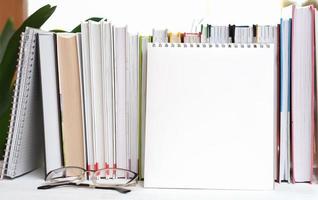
(209, 117)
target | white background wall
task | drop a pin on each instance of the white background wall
(176, 15)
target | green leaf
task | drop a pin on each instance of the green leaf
(8, 68)
(8, 63)
(286, 3)
(77, 29)
(5, 36)
(57, 31)
(4, 126)
(310, 2)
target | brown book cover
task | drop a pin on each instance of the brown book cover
(70, 98)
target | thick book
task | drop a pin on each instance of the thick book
(120, 66)
(302, 93)
(70, 99)
(95, 54)
(50, 101)
(108, 93)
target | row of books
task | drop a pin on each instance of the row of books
(221, 35)
(93, 92)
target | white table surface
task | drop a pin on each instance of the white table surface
(24, 188)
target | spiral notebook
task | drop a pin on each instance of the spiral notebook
(25, 138)
(210, 116)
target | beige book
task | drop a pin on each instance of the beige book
(70, 98)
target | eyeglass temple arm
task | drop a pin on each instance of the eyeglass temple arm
(118, 189)
(49, 186)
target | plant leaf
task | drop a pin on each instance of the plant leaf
(310, 2)
(286, 3)
(77, 29)
(8, 63)
(6, 34)
(4, 125)
(57, 31)
(8, 68)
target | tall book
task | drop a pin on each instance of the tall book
(143, 46)
(120, 62)
(87, 97)
(108, 93)
(285, 97)
(51, 101)
(132, 105)
(70, 98)
(302, 93)
(96, 72)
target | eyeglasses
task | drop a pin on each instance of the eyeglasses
(107, 178)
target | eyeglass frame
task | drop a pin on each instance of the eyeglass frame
(52, 183)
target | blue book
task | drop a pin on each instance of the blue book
(285, 88)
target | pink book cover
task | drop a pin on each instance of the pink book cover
(312, 9)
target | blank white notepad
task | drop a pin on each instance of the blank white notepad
(209, 116)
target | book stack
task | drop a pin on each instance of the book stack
(94, 79)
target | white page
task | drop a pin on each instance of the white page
(209, 118)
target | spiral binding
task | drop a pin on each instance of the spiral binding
(20, 100)
(13, 108)
(210, 45)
